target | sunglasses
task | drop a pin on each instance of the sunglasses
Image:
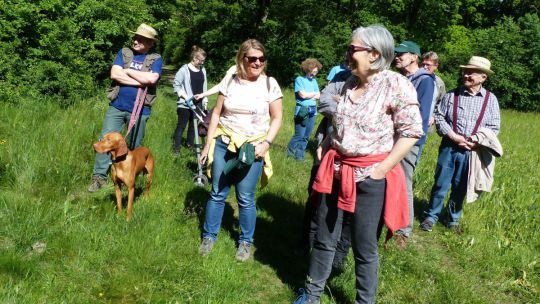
(355, 48)
(252, 59)
(471, 73)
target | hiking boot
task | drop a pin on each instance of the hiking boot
(243, 252)
(206, 246)
(427, 225)
(401, 241)
(97, 183)
(304, 298)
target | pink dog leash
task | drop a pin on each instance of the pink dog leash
(139, 103)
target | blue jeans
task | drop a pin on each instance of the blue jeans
(114, 122)
(298, 143)
(452, 170)
(245, 182)
(365, 227)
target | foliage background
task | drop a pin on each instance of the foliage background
(63, 49)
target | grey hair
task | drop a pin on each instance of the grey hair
(431, 55)
(379, 38)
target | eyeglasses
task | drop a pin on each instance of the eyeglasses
(141, 39)
(427, 64)
(357, 48)
(252, 59)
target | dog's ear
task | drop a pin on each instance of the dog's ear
(121, 149)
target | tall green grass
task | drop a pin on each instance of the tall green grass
(94, 256)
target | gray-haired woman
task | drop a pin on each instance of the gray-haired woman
(377, 121)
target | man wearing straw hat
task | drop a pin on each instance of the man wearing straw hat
(459, 115)
(135, 74)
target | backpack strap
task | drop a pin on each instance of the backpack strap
(234, 76)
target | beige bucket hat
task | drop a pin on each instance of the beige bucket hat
(478, 63)
(147, 31)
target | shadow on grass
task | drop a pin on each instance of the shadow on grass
(195, 205)
(421, 206)
(278, 240)
(138, 193)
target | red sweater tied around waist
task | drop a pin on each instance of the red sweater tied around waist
(396, 208)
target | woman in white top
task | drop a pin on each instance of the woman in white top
(248, 111)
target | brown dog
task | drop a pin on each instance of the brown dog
(126, 166)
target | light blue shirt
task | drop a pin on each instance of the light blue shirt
(336, 69)
(307, 85)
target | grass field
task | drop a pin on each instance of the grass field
(88, 254)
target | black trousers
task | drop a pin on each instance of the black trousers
(185, 116)
(310, 225)
(365, 227)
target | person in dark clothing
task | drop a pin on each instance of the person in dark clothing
(406, 60)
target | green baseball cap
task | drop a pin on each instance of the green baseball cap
(408, 47)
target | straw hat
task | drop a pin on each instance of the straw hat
(478, 63)
(147, 31)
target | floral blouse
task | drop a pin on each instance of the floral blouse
(371, 124)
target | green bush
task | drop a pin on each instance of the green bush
(64, 48)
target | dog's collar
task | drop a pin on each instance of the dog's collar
(120, 158)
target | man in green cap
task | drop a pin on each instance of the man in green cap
(406, 60)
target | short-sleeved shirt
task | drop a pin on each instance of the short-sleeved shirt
(308, 85)
(127, 94)
(335, 70)
(246, 109)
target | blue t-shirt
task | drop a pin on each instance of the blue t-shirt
(336, 69)
(302, 83)
(127, 94)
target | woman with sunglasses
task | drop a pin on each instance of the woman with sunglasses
(376, 122)
(306, 92)
(190, 80)
(247, 117)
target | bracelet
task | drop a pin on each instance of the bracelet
(268, 142)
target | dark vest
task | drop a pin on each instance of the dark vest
(127, 57)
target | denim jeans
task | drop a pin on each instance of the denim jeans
(114, 122)
(452, 170)
(365, 227)
(408, 164)
(245, 182)
(298, 143)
